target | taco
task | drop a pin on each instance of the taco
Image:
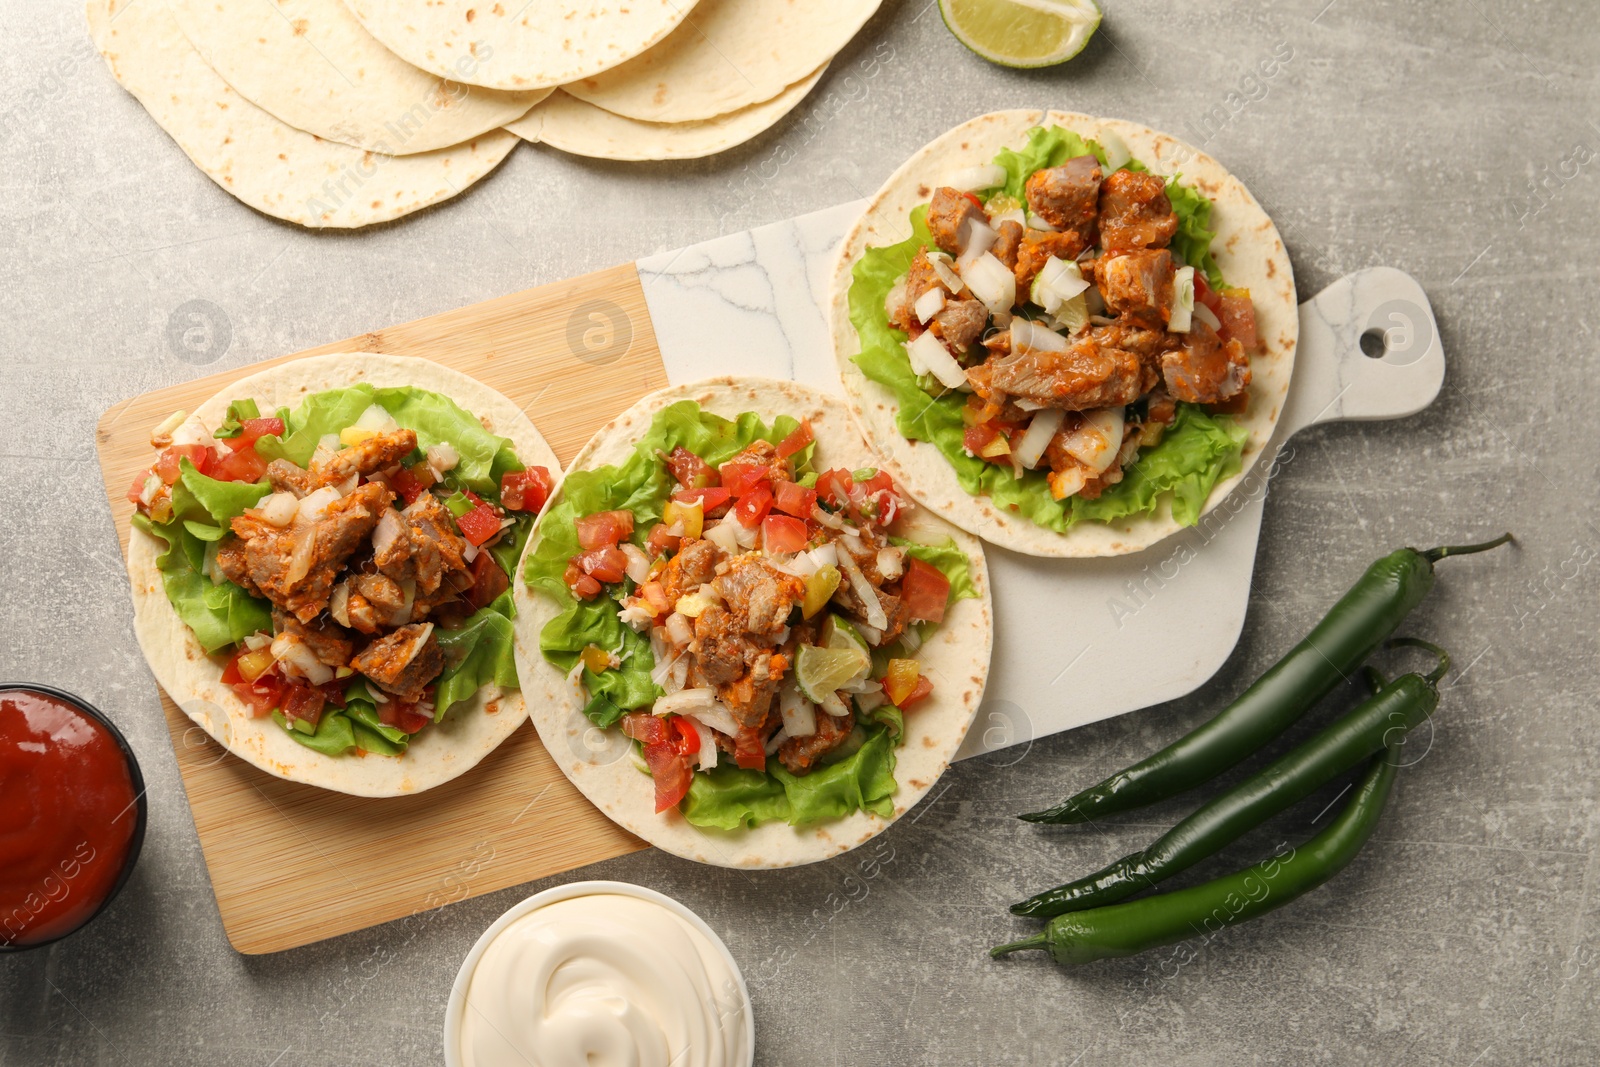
(743, 643)
(321, 561)
(1070, 336)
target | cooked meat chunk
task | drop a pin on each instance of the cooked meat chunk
(1204, 370)
(285, 477)
(921, 277)
(800, 754)
(947, 215)
(326, 639)
(693, 566)
(234, 565)
(1068, 196)
(376, 602)
(719, 646)
(1006, 248)
(298, 575)
(749, 697)
(960, 323)
(1132, 336)
(419, 544)
(1135, 212)
(1089, 374)
(371, 455)
(404, 662)
(1160, 407)
(1037, 248)
(1137, 285)
(758, 596)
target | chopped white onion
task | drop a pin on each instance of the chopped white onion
(305, 546)
(891, 562)
(1182, 300)
(278, 509)
(820, 514)
(743, 536)
(975, 238)
(1116, 149)
(339, 604)
(825, 556)
(718, 717)
(706, 756)
(443, 457)
(991, 282)
(257, 641)
(864, 591)
(1068, 482)
(776, 741)
(799, 714)
(662, 671)
(679, 630)
(911, 639)
(389, 529)
(638, 562)
(1015, 215)
(833, 705)
(403, 616)
(376, 418)
(941, 270)
(348, 486)
(1026, 336)
(929, 304)
(469, 552)
(871, 634)
(978, 178)
(1207, 316)
(1096, 442)
(1058, 281)
(928, 355)
(680, 673)
(316, 505)
(685, 702)
(299, 660)
(193, 432)
(1036, 223)
(874, 697)
(1041, 428)
(161, 435)
(724, 536)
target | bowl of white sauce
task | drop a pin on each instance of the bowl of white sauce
(596, 974)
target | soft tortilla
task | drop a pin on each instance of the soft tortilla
(1247, 248)
(521, 44)
(582, 129)
(469, 731)
(310, 63)
(957, 657)
(272, 167)
(728, 55)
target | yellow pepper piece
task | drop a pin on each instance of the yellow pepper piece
(597, 659)
(690, 516)
(901, 679)
(352, 435)
(820, 588)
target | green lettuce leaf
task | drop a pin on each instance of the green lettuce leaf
(233, 422)
(317, 416)
(1192, 242)
(730, 798)
(334, 737)
(199, 498)
(220, 613)
(950, 560)
(437, 419)
(479, 652)
(1198, 450)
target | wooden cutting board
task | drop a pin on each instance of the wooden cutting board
(291, 864)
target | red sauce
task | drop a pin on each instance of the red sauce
(68, 813)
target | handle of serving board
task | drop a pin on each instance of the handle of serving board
(1334, 379)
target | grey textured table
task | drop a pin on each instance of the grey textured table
(1450, 140)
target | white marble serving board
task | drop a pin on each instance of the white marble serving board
(1066, 631)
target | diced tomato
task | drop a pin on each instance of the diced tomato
(603, 529)
(875, 496)
(780, 533)
(263, 694)
(603, 564)
(1204, 294)
(403, 716)
(479, 524)
(671, 773)
(245, 465)
(251, 431)
(655, 596)
(978, 437)
(685, 738)
(879, 482)
(583, 587)
(709, 499)
(1238, 317)
(924, 589)
(645, 728)
(834, 486)
(740, 478)
(488, 580)
(168, 466)
(230, 671)
(753, 507)
(662, 540)
(406, 484)
(304, 703)
(791, 498)
(137, 489)
(690, 470)
(748, 750)
(525, 490)
(918, 692)
(975, 201)
(796, 441)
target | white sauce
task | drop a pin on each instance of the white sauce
(603, 980)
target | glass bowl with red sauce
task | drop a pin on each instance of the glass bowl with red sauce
(72, 814)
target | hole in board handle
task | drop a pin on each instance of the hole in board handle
(1374, 344)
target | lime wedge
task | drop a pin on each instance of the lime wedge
(839, 633)
(820, 671)
(1022, 33)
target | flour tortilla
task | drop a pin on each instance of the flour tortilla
(311, 64)
(728, 55)
(470, 730)
(519, 44)
(273, 167)
(571, 125)
(956, 657)
(1247, 248)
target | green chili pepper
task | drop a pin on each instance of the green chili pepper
(1138, 925)
(1397, 708)
(1350, 632)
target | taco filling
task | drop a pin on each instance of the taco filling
(1057, 327)
(350, 559)
(750, 622)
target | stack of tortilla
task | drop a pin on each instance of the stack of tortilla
(344, 113)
